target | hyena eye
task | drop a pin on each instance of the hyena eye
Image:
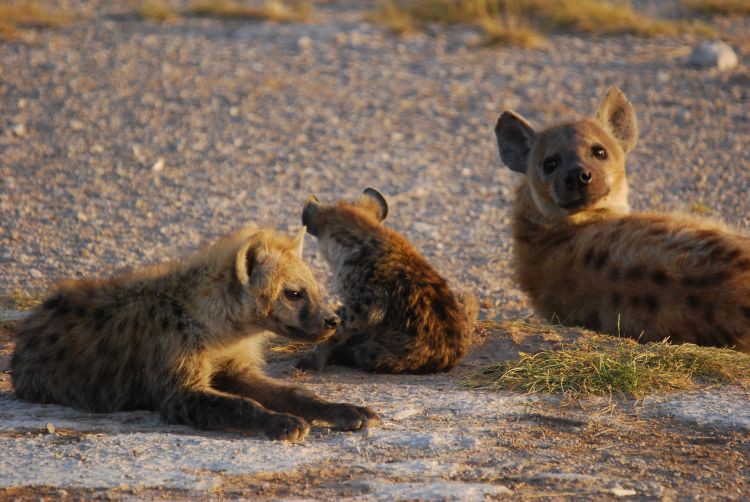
(549, 165)
(293, 294)
(599, 152)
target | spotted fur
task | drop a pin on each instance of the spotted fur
(399, 314)
(185, 338)
(585, 260)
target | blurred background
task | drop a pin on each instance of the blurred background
(133, 131)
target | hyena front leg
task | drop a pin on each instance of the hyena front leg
(212, 410)
(280, 397)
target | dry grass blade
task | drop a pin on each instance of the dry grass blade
(272, 10)
(721, 7)
(602, 365)
(27, 14)
(518, 22)
(157, 10)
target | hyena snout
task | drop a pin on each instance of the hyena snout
(579, 186)
(332, 321)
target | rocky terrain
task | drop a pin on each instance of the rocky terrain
(125, 141)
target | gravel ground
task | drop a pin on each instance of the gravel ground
(126, 142)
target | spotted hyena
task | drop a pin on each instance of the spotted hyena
(186, 338)
(584, 260)
(399, 315)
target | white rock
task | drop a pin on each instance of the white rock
(158, 165)
(715, 54)
(304, 43)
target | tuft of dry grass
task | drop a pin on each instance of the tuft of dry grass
(271, 10)
(604, 365)
(720, 7)
(700, 207)
(520, 22)
(157, 10)
(19, 14)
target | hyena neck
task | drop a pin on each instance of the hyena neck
(528, 213)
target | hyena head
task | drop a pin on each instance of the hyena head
(284, 297)
(341, 227)
(573, 167)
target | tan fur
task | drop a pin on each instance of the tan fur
(646, 275)
(399, 315)
(185, 338)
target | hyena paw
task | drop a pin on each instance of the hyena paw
(286, 427)
(311, 362)
(349, 417)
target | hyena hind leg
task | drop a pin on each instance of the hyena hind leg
(280, 397)
(212, 410)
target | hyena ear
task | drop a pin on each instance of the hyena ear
(375, 201)
(515, 138)
(251, 255)
(311, 216)
(617, 116)
(299, 241)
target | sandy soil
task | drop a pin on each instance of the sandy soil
(125, 141)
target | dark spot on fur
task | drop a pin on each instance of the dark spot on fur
(616, 299)
(180, 325)
(101, 316)
(177, 309)
(559, 240)
(743, 264)
(693, 301)
(588, 257)
(660, 277)
(706, 280)
(52, 338)
(614, 274)
(592, 321)
(357, 308)
(61, 353)
(80, 311)
(165, 323)
(635, 301)
(439, 308)
(657, 231)
(601, 259)
(53, 302)
(746, 311)
(710, 313)
(367, 301)
(152, 311)
(724, 338)
(652, 303)
(634, 273)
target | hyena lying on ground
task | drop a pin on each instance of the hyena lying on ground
(585, 261)
(399, 315)
(186, 339)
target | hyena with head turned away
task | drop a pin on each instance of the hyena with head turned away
(399, 314)
(186, 338)
(583, 259)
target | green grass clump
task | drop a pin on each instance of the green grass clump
(520, 22)
(602, 365)
(16, 15)
(721, 7)
(271, 10)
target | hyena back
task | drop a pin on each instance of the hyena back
(584, 260)
(399, 314)
(186, 339)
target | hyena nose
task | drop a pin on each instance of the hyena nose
(332, 322)
(577, 177)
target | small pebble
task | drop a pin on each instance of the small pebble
(715, 54)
